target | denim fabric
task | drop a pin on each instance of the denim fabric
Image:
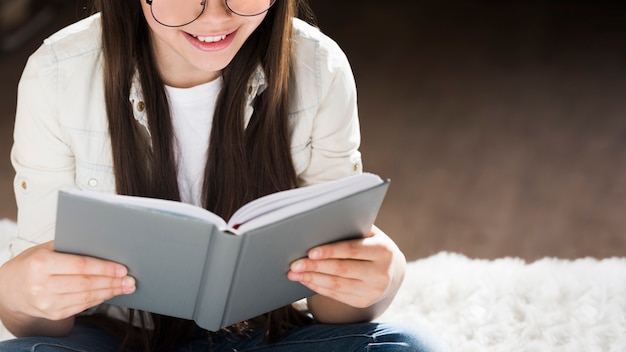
(366, 337)
(82, 338)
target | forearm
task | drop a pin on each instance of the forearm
(329, 311)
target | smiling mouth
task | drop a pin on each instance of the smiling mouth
(210, 39)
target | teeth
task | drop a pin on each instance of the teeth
(210, 39)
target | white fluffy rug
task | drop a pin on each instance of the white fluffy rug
(506, 304)
(509, 305)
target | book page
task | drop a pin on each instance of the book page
(281, 205)
(154, 204)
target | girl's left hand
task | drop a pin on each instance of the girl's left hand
(359, 273)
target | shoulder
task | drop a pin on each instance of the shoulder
(78, 41)
(319, 65)
(80, 38)
(62, 82)
(305, 32)
(315, 49)
(57, 70)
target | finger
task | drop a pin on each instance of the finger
(348, 291)
(82, 283)
(330, 282)
(71, 264)
(92, 298)
(353, 269)
(370, 248)
(65, 305)
(342, 275)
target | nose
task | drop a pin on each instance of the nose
(214, 9)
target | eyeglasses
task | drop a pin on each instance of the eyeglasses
(178, 13)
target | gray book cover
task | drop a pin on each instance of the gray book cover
(195, 268)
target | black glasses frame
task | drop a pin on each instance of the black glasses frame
(149, 2)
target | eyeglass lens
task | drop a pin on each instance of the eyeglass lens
(177, 13)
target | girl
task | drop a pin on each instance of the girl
(214, 103)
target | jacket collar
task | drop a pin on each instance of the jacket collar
(256, 85)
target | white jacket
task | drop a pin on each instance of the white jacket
(61, 139)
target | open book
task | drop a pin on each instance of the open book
(192, 264)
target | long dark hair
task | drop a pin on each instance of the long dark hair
(244, 163)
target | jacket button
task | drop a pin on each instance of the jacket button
(92, 183)
(141, 106)
(24, 185)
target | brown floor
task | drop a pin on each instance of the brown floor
(502, 126)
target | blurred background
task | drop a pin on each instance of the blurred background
(502, 124)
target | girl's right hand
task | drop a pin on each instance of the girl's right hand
(42, 283)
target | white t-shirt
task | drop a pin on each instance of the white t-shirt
(192, 116)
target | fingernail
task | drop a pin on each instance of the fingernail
(297, 266)
(128, 282)
(121, 271)
(315, 253)
(295, 276)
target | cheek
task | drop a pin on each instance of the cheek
(253, 23)
(156, 29)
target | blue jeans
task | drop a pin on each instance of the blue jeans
(366, 337)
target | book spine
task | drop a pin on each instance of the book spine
(220, 265)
